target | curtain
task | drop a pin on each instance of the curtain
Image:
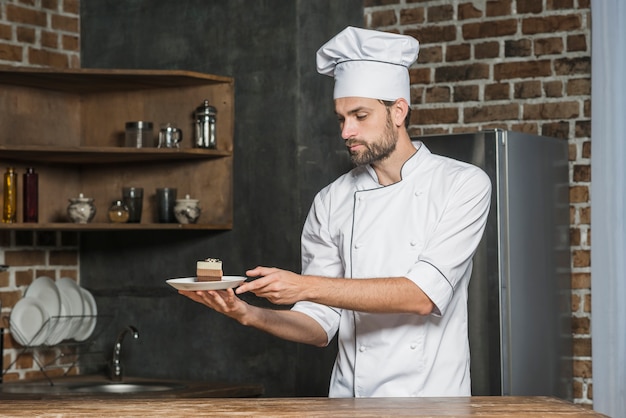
(608, 205)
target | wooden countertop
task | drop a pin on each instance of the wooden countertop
(500, 407)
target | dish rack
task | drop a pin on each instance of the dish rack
(47, 354)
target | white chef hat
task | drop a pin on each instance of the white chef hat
(369, 63)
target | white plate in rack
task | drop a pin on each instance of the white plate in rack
(28, 318)
(72, 295)
(89, 319)
(192, 283)
(47, 293)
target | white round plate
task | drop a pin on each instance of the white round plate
(47, 293)
(27, 320)
(192, 283)
(70, 292)
(89, 319)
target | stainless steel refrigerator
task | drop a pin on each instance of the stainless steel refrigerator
(519, 303)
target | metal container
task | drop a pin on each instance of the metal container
(205, 125)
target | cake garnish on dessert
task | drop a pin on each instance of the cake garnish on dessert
(209, 270)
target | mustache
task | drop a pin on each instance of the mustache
(352, 142)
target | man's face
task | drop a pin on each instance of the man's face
(367, 128)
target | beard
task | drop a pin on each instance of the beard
(376, 151)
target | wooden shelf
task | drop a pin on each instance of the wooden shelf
(69, 126)
(103, 155)
(62, 226)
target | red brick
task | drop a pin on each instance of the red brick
(24, 257)
(576, 43)
(466, 72)
(498, 91)
(555, 129)
(433, 34)
(420, 76)
(440, 13)
(47, 58)
(529, 6)
(26, 35)
(560, 4)
(553, 88)
(24, 15)
(498, 8)
(548, 46)
(583, 129)
(486, 50)
(458, 52)
(490, 29)
(430, 55)
(71, 6)
(491, 113)
(579, 194)
(71, 43)
(572, 66)
(383, 18)
(522, 69)
(63, 257)
(552, 110)
(5, 32)
(24, 277)
(581, 281)
(468, 11)
(412, 16)
(579, 87)
(582, 173)
(50, 4)
(518, 48)
(416, 94)
(527, 89)
(466, 93)
(551, 24)
(585, 216)
(49, 39)
(11, 52)
(580, 326)
(582, 368)
(65, 23)
(10, 298)
(435, 116)
(438, 94)
(526, 127)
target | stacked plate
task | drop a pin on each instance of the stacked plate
(51, 312)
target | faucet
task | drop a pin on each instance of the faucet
(115, 368)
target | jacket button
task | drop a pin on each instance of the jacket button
(362, 349)
(413, 346)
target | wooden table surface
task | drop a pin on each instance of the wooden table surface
(500, 407)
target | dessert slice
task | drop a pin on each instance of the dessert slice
(209, 270)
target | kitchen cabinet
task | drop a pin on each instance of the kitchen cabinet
(69, 125)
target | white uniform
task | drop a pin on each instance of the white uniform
(426, 228)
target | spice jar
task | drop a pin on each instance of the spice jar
(81, 209)
(187, 210)
(118, 212)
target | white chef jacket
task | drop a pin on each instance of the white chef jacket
(426, 228)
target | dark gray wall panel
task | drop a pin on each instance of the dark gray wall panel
(287, 147)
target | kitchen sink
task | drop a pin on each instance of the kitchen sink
(125, 387)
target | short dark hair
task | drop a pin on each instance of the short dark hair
(407, 120)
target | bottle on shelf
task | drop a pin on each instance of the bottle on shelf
(30, 196)
(9, 208)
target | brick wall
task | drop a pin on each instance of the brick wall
(36, 33)
(520, 65)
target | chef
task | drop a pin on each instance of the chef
(386, 248)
